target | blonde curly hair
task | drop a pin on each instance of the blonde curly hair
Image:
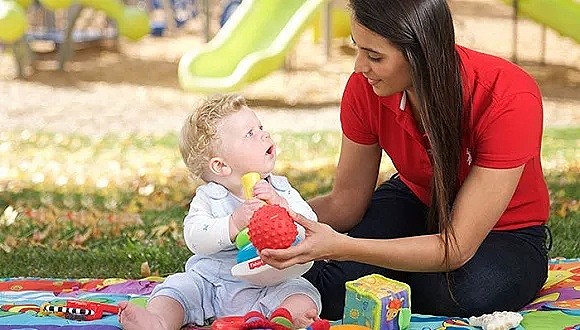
(198, 141)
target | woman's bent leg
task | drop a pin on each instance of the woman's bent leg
(505, 274)
(394, 211)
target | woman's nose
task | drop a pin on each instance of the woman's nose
(360, 64)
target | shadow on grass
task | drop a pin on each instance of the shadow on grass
(99, 64)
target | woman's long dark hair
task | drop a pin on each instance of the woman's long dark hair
(423, 31)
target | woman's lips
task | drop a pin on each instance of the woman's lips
(373, 81)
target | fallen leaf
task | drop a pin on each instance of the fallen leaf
(10, 241)
(145, 269)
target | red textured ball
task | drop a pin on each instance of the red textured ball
(271, 227)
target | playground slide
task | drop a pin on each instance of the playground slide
(253, 43)
(561, 15)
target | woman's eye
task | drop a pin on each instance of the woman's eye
(374, 58)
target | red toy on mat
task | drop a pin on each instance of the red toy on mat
(279, 320)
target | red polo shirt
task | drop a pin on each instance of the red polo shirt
(502, 116)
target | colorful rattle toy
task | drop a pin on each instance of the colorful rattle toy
(270, 227)
(80, 310)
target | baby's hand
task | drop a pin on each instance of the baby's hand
(264, 191)
(242, 215)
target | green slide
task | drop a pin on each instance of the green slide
(561, 15)
(253, 43)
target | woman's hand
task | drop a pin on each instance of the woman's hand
(321, 242)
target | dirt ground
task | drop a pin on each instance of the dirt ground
(132, 87)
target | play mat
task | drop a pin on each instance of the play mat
(556, 307)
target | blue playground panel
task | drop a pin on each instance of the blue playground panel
(187, 9)
(59, 36)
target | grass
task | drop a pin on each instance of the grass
(561, 162)
(77, 206)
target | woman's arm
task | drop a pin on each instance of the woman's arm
(480, 202)
(355, 181)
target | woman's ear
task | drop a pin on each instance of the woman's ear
(218, 167)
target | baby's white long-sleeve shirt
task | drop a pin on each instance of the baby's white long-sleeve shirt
(206, 225)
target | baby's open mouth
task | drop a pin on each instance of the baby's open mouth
(270, 150)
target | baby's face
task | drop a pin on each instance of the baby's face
(245, 146)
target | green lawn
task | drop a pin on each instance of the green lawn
(74, 206)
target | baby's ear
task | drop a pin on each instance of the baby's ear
(218, 167)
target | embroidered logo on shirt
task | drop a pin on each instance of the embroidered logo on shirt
(469, 158)
(403, 103)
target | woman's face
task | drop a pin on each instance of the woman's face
(384, 66)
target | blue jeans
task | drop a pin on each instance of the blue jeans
(505, 274)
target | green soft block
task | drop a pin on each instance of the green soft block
(378, 303)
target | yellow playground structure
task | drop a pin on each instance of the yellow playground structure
(131, 21)
(258, 36)
(15, 30)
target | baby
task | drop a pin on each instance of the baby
(219, 143)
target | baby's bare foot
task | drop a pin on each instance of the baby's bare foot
(133, 317)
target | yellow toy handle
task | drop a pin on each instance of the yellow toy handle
(248, 181)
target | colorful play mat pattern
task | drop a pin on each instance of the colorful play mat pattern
(556, 307)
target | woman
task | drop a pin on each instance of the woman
(463, 220)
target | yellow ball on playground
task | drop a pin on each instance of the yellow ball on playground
(134, 23)
(56, 4)
(13, 23)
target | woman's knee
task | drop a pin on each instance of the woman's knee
(478, 303)
(472, 291)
